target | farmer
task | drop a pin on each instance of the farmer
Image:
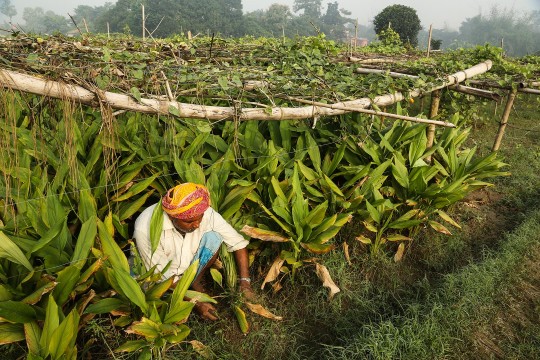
(191, 230)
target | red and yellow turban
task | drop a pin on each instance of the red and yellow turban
(186, 201)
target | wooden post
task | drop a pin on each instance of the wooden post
(143, 24)
(504, 120)
(108, 31)
(355, 34)
(429, 39)
(433, 111)
(85, 25)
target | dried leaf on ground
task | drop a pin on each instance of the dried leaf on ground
(324, 275)
(273, 272)
(201, 349)
(399, 253)
(346, 252)
(260, 310)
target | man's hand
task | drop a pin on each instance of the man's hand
(206, 311)
(247, 292)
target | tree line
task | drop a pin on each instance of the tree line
(518, 33)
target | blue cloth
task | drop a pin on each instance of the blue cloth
(210, 243)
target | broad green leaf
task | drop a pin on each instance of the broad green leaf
(182, 332)
(146, 327)
(50, 235)
(332, 185)
(131, 346)
(363, 239)
(36, 296)
(17, 311)
(217, 276)
(317, 215)
(52, 321)
(182, 285)
(398, 237)
(67, 279)
(9, 250)
(32, 333)
(318, 248)
(104, 306)
(10, 333)
(130, 288)
(157, 291)
(132, 207)
(373, 212)
(137, 188)
(313, 151)
(277, 189)
(234, 200)
(111, 249)
(241, 318)
(85, 241)
(63, 335)
(326, 236)
(156, 226)
(399, 170)
(200, 297)
(179, 313)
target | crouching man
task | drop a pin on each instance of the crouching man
(191, 230)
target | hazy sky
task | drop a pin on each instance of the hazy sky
(440, 13)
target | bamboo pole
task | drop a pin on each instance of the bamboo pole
(374, 112)
(55, 89)
(356, 34)
(143, 24)
(457, 87)
(429, 39)
(433, 112)
(521, 86)
(504, 120)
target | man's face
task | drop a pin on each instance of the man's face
(187, 226)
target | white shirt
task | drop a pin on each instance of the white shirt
(178, 249)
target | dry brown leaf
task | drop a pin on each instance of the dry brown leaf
(399, 252)
(324, 275)
(277, 286)
(260, 310)
(201, 349)
(264, 235)
(273, 272)
(346, 252)
(218, 265)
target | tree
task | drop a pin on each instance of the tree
(45, 22)
(402, 19)
(90, 15)
(7, 8)
(311, 8)
(334, 21)
(277, 17)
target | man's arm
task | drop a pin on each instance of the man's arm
(242, 263)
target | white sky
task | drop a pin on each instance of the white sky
(440, 13)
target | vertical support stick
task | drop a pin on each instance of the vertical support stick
(429, 39)
(504, 120)
(433, 111)
(108, 31)
(143, 24)
(355, 34)
(85, 25)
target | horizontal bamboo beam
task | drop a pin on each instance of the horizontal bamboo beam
(35, 85)
(458, 87)
(520, 87)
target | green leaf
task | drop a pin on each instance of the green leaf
(130, 288)
(317, 215)
(183, 284)
(156, 226)
(131, 346)
(63, 335)
(32, 333)
(199, 296)
(17, 312)
(67, 279)
(84, 242)
(179, 313)
(217, 276)
(313, 151)
(9, 250)
(182, 332)
(10, 333)
(135, 93)
(241, 318)
(157, 291)
(439, 227)
(111, 249)
(52, 321)
(448, 219)
(133, 207)
(104, 306)
(375, 215)
(50, 235)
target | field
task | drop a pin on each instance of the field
(433, 244)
